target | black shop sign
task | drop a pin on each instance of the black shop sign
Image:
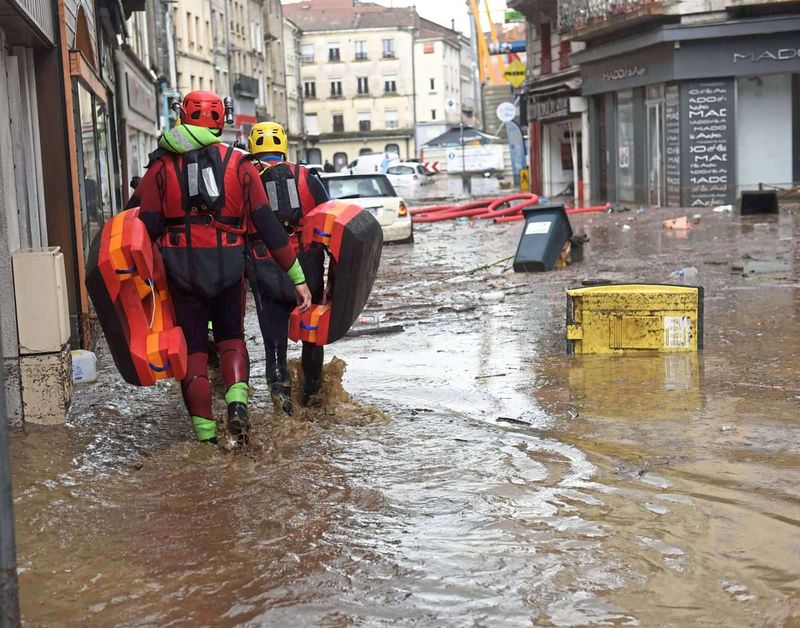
(707, 147)
(548, 107)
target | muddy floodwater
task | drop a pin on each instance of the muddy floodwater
(464, 471)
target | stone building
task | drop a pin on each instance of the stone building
(358, 79)
(681, 95)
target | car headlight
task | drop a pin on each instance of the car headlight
(402, 210)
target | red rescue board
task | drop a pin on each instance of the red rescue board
(127, 283)
(355, 239)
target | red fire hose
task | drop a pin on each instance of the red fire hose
(486, 208)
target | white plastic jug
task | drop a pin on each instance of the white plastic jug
(84, 366)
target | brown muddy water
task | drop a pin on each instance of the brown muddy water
(471, 474)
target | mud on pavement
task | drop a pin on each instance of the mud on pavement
(466, 472)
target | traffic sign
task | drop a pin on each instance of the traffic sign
(515, 73)
(451, 105)
(506, 111)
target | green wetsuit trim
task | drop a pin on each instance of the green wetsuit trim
(240, 392)
(296, 275)
(204, 429)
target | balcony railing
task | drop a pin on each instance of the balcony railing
(584, 16)
(246, 86)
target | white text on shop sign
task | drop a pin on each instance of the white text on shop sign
(783, 54)
(630, 71)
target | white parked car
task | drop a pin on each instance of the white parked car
(371, 163)
(374, 193)
(408, 177)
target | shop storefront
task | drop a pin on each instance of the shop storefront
(556, 138)
(138, 113)
(693, 115)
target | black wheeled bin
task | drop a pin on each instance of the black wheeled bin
(546, 230)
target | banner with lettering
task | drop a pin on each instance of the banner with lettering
(707, 146)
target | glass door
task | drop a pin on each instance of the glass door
(656, 182)
(625, 152)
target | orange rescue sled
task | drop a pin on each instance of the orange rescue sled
(354, 238)
(127, 283)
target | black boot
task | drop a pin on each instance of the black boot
(282, 396)
(281, 390)
(311, 396)
(238, 422)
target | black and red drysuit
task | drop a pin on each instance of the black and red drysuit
(199, 207)
(292, 190)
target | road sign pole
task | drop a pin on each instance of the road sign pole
(9, 585)
(465, 186)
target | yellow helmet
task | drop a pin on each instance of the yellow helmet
(267, 137)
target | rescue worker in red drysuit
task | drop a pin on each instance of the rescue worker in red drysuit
(199, 198)
(293, 191)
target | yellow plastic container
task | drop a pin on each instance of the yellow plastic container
(620, 318)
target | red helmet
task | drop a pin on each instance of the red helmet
(203, 109)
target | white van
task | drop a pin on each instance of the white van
(373, 163)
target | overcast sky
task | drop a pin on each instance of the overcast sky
(443, 11)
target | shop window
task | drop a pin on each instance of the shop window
(96, 161)
(392, 149)
(625, 148)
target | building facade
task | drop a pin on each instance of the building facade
(357, 75)
(276, 64)
(294, 93)
(557, 114)
(445, 91)
(689, 103)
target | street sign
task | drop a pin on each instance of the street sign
(506, 111)
(513, 16)
(515, 73)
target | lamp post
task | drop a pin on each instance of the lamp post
(9, 585)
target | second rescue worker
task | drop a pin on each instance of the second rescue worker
(198, 199)
(293, 191)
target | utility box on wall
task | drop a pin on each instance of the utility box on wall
(40, 294)
(41, 299)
